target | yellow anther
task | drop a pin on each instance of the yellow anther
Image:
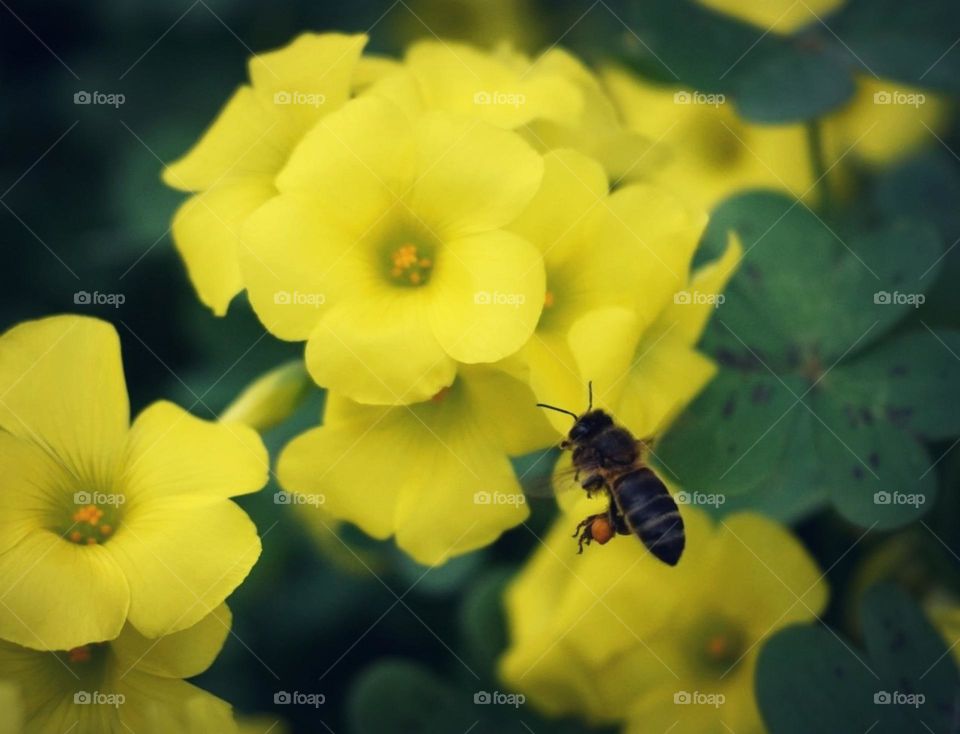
(409, 266)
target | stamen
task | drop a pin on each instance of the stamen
(91, 525)
(409, 266)
(548, 299)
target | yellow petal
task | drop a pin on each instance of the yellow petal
(206, 231)
(486, 295)
(472, 177)
(380, 349)
(355, 164)
(665, 375)
(182, 559)
(602, 343)
(173, 453)
(572, 186)
(249, 138)
(158, 705)
(183, 654)
(58, 595)
(686, 318)
(270, 399)
(12, 707)
(371, 68)
(62, 384)
(780, 16)
(295, 264)
(456, 78)
(309, 76)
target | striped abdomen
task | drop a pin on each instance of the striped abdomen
(650, 513)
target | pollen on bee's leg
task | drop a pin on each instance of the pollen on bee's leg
(601, 530)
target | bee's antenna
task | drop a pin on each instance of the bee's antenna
(559, 410)
(590, 393)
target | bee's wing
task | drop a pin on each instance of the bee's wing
(550, 480)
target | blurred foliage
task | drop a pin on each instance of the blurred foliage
(84, 210)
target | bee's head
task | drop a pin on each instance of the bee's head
(588, 425)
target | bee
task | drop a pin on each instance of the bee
(610, 459)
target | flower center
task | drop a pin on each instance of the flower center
(91, 523)
(410, 265)
(86, 663)
(720, 644)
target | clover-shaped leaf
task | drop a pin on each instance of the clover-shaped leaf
(816, 398)
(811, 679)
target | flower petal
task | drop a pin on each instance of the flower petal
(58, 595)
(294, 263)
(380, 350)
(356, 164)
(572, 186)
(206, 231)
(473, 177)
(171, 452)
(249, 138)
(63, 388)
(309, 76)
(183, 654)
(182, 559)
(487, 294)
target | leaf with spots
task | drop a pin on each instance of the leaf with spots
(904, 681)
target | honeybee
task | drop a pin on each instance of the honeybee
(610, 459)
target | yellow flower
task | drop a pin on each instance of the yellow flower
(233, 166)
(780, 16)
(104, 522)
(11, 704)
(613, 261)
(130, 684)
(614, 635)
(435, 475)
(701, 149)
(385, 250)
(271, 398)
(885, 121)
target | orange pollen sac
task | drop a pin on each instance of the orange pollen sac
(548, 299)
(408, 266)
(88, 526)
(601, 530)
(80, 654)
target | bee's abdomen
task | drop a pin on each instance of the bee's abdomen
(651, 513)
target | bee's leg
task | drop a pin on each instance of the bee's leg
(582, 524)
(617, 522)
(586, 535)
(593, 483)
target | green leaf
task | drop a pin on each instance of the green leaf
(482, 621)
(805, 371)
(402, 697)
(792, 85)
(811, 679)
